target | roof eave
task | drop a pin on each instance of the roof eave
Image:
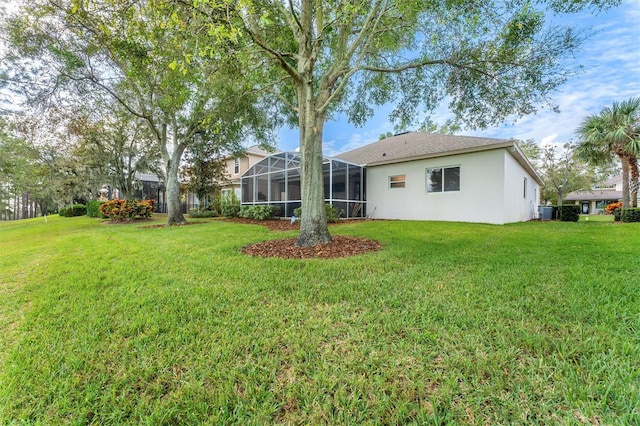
(443, 154)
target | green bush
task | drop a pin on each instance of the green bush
(202, 213)
(259, 212)
(230, 210)
(630, 215)
(74, 210)
(569, 212)
(93, 209)
(229, 205)
(333, 213)
(616, 214)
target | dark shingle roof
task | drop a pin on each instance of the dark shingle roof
(418, 145)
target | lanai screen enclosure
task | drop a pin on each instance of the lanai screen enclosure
(275, 180)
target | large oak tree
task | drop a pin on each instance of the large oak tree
(154, 57)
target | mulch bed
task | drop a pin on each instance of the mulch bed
(339, 246)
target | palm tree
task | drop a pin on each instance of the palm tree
(615, 131)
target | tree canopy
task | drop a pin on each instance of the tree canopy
(488, 60)
(615, 132)
(157, 59)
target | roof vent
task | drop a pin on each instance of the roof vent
(402, 133)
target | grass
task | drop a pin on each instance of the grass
(448, 324)
(596, 218)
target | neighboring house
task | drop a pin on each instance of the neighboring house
(417, 176)
(236, 166)
(596, 200)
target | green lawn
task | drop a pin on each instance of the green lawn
(532, 323)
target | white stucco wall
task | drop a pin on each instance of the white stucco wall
(483, 197)
(518, 207)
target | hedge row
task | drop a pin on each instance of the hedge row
(630, 215)
(258, 212)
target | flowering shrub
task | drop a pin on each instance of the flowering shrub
(121, 210)
(613, 206)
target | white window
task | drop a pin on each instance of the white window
(397, 181)
(443, 179)
(524, 190)
(236, 166)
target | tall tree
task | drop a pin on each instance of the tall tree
(563, 171)
(489, 59)
(116, 146)
(156, 59)
(615, 131)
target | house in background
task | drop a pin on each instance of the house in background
(236, 166)
(412, 176)
(596, 200)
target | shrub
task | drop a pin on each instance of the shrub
(93, 209)
(259, 212)
(229, 205)
(630, 215)
(333, 213)
(569, 212)
(613, 206)
(74, 210)
(197, 213)
(616, 214)
(120, 210)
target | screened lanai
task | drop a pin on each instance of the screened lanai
(275, 180)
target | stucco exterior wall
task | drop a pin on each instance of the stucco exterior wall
(481, 197)
(520, 204)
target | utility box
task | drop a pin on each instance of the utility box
(546, 213)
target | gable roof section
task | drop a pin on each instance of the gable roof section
(413, 146)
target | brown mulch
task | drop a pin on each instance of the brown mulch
(339, 246)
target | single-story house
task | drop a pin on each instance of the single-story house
(595, 201)
(413, 176)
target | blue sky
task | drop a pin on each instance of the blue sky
(611, 61)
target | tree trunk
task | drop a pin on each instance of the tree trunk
(633, 184)
(174, 210)
(313, 224)
(625, 181)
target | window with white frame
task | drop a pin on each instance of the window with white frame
(443, 179)
(524, 190)
(397, 181)
(236, 166)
